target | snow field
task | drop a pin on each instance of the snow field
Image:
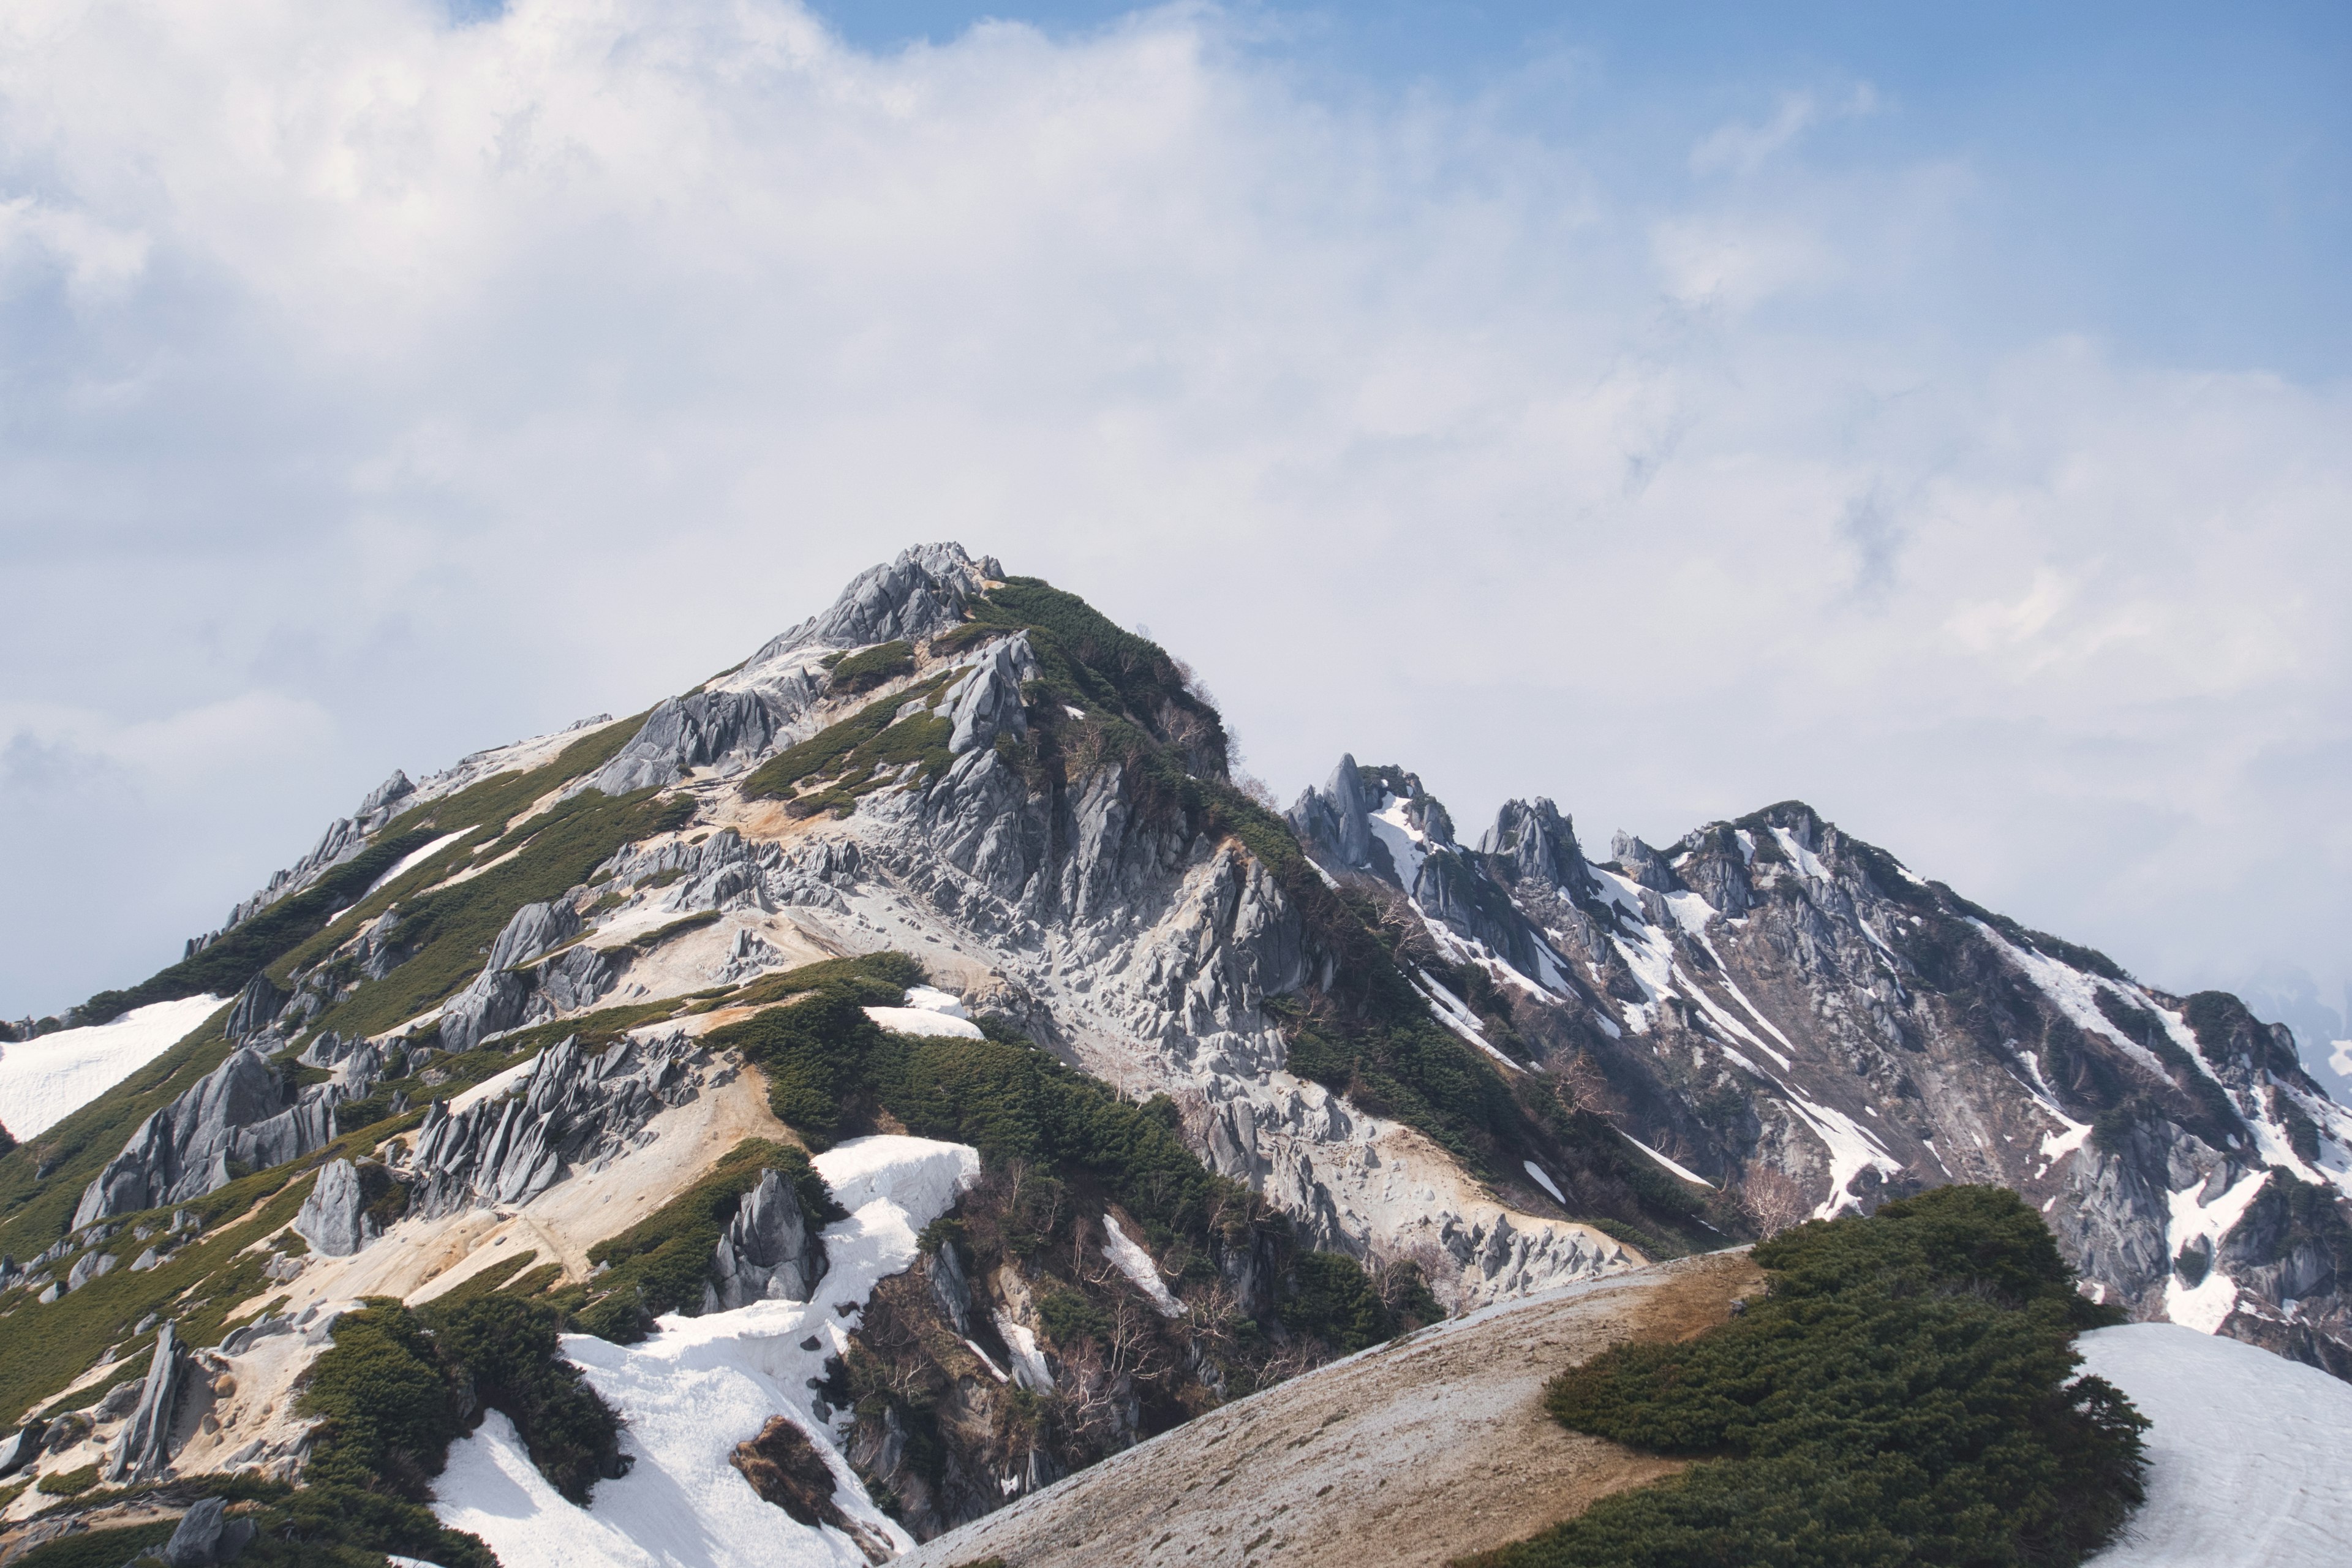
(699, 1387)
(45, 1081)
(2251, 1453)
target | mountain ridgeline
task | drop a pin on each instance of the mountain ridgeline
(595, 1028)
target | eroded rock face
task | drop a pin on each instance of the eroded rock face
(142, 1450)
(576, 1110)
(240, 1114)
(768, 1252)
(335, 1219)
(516, 987)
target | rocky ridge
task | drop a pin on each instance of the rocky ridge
(1507, 1067)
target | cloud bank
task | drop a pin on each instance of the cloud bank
(380, 388)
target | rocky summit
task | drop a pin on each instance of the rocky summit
(910, 1067)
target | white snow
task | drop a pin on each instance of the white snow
(2077, 995)
(2207, 1306)
(1683, 1172)
(1807, 862)
(931, 999)
(1029, 1368)
(45, 1081)
(1451, 1013)
(923, 1021)
(2250, 1453)
(1404, 841)
(1546, 1182)
(1137, 1265)
(412, 859)
(1852, 1149)
(699, 1387)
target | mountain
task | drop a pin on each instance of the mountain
(910, 1068)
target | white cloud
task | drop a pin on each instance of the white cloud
(450, 383)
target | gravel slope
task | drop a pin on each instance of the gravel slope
(1412, 1453)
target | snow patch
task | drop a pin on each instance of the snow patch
(2250, 1455)
(923, 1021)
(1137, 1265)
(699, 1387)
(45, 1081)
(1404, 841)
(1807, 861)
(2076, 996)
(410, 861)
(2206, 1306)
(1544, 1181)
(1683, 1172)
(1451, 1013)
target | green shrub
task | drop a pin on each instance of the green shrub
(69, 1483)
(833, 750)
(864, 672)
(1334, 1301)
(1904, 1396)
(398, 1384)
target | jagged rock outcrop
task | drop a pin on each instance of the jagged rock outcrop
(142, 1450)
(768, 1251)
(240, 1114)
(920, 594)
(509, 993)
(344, 838)
(728, 731)
(988, 702)
(335, 1219)
(258, 1006)
(17, 1449)
(574, 1110)
(735, 721)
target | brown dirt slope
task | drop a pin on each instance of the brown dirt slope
(1414, 1453)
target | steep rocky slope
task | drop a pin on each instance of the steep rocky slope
(960, 858)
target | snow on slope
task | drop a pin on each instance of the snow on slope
(45, 1081)
(699, 1387)
(2251, 1453)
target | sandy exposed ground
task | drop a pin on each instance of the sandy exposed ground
(1410, 1453)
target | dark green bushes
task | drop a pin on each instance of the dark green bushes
(399, 1383)
(1905, 1396)
(864, 672)
(834, 750)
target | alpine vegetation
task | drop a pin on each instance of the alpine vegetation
(908, 1073)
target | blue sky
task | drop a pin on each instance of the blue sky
(2177, 178)
(1937, 414)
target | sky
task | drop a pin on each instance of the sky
(1938, 415)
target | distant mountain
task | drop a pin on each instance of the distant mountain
(1170, 1094)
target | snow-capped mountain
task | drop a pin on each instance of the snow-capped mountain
(506, 1017)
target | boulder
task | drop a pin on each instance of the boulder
(335, 1219)
(18, 1447)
